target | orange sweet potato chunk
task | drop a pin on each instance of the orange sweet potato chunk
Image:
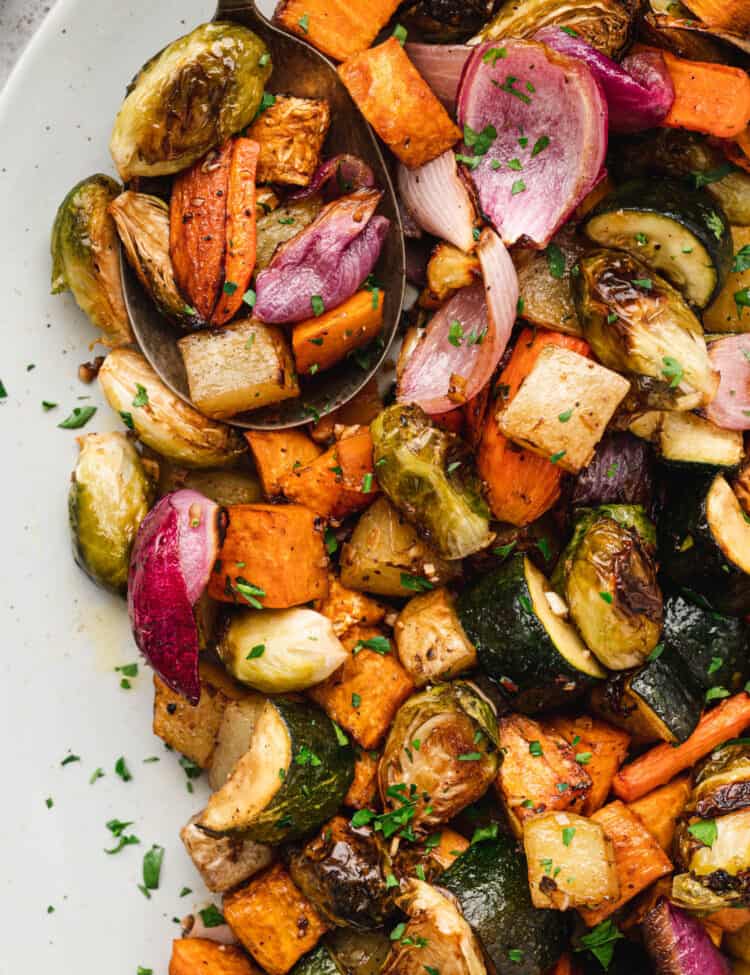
(398, 103)
(338, 28)
(199, 956)
(277, 452)
(364, 786)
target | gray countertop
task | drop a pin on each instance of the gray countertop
(18, 21)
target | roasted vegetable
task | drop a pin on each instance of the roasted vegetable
(659, 810)
(290, 133)
(622, 472)
(514, 619)
(300, 739)
(710, 98)
(429, 475)
(726, 314)
(430, 639)
(571, 862)
(604, 748)
(189, 98)
(717, 861)
(436, 936)
(687, 440)
(704, 542)
(341, 871)
(545, 282)
(680, 232)
(109, 497)
(277, 651)
(679, 944)
(143, 226)
(335, 28)
(163, 422)
(276, 452)
(276, 228)
(604, 24)
(225, 487)
(193, 955)
(639, 324)
(489, 881)
(86, 258)
(721, 783)
(456, 760)
(324, 340)
(223, 862)
(609, 580)
(666, 699)
(348, 609)
(273, 920)
(441, 21)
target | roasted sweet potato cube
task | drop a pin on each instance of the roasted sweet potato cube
(274, 920)
(365, 693)
(538, 773)
(322, 341)
(340, 482)
(277, 452)
(338, 28)
(364, 786)
(199, 956)
(273, 557)
(347, 608)
(450, 269)
(192, 730)
(240, 367)
(398, 103)
(659, 810)
(359, 411)
(600, 746)
(291, 133)
(639, 859)
(432, 644)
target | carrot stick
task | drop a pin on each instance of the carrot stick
(240, 232)
(321, 342)
(197, 229)
(662, 763)
(708, 97)
(521, 485)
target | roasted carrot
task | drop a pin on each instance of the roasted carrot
(276, 452)
(521, 485)
(364, 786)
(660, 809)
(240, 230)
(475, 414)
(321, 342)
(197, 229)
(657, 766)
(398, 103)
(453, 420)
(340, 482)
(338, 28)
(710, 98)
(733, 15)
(199, 956)
(564, 966)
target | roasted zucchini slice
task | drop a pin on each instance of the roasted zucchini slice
(510, 615)
(687, 440)
(292, 777)
(680, 232)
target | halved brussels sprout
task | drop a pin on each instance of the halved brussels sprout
(442, 21)
(429, 475)
(143, 225)
(161, 420)
(638, 324)
(721, 783)
(359, 952)
(455, 759)
(604, 24)
(86, 256)
(609, 580)
(436, 938)
(109, 497)
(187, 99)
(721, 864)
(224, 487)
(281, 224)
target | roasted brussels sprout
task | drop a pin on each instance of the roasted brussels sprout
(721, 783)
(436, 939)
(359, 952)
(86, 256)
(441, 21)
(143, 225)
(224, 487)
(429, 475)
(604, 24)
(280, 225)
(609, 579)
(638, 324)
(161, 420)
(718, 869)
(187, 99)
(341, 871)
(109, 497)
(457, 757)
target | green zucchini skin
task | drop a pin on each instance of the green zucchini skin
(699, 231)
(310, 794)
(319, 961)
(490, 882)
(666, 688)
(512, 644)
(690, 556)
(702, 638)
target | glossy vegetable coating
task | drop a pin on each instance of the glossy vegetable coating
(429, 475)
(187, 99)
(86, 258)
(109, 497)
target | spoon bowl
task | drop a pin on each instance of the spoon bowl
(298, 69)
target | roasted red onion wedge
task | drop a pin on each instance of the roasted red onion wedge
(466, 338)
(338, 176)
(678, 944)
(438, 201)
(172, 559)
(730, 408)
(540, 121)
(328, 260)
(441, 66)
(639, 91)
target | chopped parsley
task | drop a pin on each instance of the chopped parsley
(415, 583)
(504, 550)
(211, 916)
(257, 651)
(601, 942)
(127, 419)
(705, 831)
(122, 769)
(316, 302)
(356, 700)
(379, 644)
(716, 663)
(535, 749)
(742, 300)
(540, 145)
(656, 652)
(558, 456)
(712, 175)
(69, 759)
(555, 261)
(583, 758)
(141, 396)
(484, 833)
(672, 371)
(612, 470)
(249, 592)
(152, 862)
(645, 283)
(249, 298)
(480, 142)
(229, 287)
(367, 483)
(78, 418)
(306, 757)
(564, 417)
(494, 54)
(400, 33)
(470, 757)
(607, 597)
(331, 541)
(567, 835)
(47, 405)
(716, 693)
(456, 333)
(742, 260)
(304, 23)
(518, 187)
(507, 86)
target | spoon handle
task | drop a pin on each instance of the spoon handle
(243, 11)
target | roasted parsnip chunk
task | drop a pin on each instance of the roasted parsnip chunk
(290, 133)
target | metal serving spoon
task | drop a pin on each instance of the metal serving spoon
(298, 69)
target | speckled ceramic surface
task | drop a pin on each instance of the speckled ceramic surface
(66, 906)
